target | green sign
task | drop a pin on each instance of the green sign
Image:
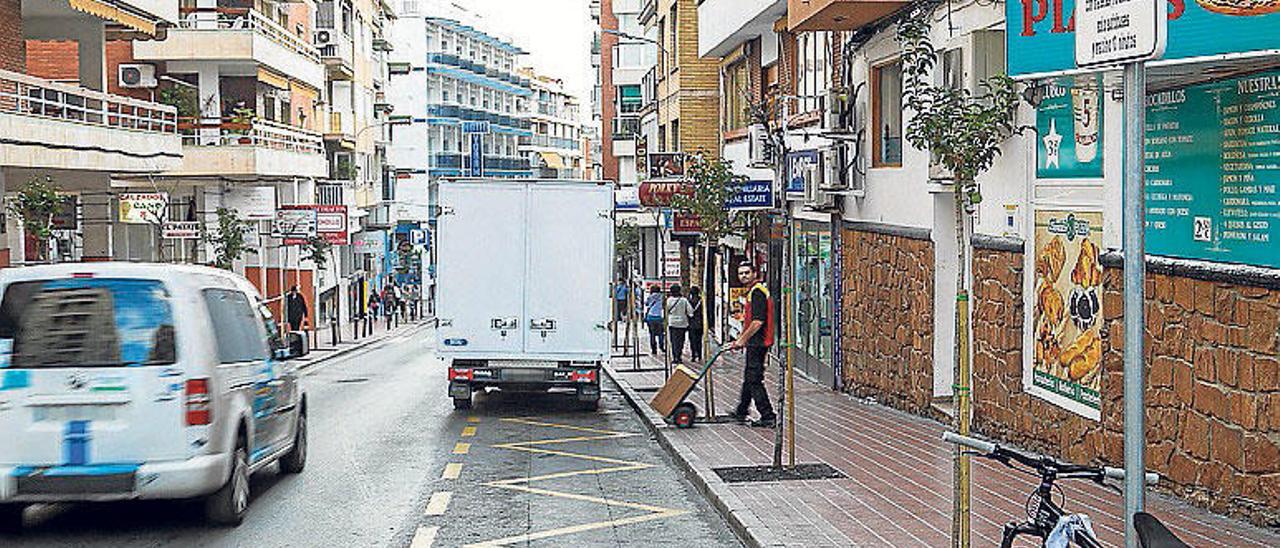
(1213, 166)
(1069, 130)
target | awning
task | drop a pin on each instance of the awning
(109, 11)
(272, 79)
(553, 160)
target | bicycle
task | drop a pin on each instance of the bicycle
(1047, 514)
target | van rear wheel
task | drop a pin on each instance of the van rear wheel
(228, 505)
(296, 459)
(11, 518)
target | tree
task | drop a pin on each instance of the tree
(963, 131)
(35, 206)
(317, 250)
(228, 239)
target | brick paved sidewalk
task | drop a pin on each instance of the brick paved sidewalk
(325, 351)
(898, 491)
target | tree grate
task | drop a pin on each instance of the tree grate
(753, 474)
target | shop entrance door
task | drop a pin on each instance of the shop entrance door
(814, 301)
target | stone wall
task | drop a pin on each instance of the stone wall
(1213, 384)
(888, 318)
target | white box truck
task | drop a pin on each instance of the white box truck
(523, 272)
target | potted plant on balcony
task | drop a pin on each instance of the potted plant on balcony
(185, 101)
(241, 122)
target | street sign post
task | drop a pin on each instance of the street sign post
(1132, 32)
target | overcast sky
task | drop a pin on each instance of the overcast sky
(556, 33)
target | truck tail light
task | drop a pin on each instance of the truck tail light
(583, 375)
(461, 374)
(199, 412)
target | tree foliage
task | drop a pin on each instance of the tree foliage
(229, 239)
(962, 130)
(317, 250)
(35, 206)
(626, 241)
(713, 182)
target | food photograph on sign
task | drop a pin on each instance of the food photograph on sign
(1069, 129)
(1067, 361)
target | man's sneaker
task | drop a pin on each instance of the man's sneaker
(735, 417)
(762, 423)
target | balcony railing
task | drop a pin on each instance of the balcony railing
(625, 128)
(477, 68)
(257, 134)
(453, 160)
(459, 112)
(548, 141)
(246, 19)
(26, 95)
(329, 194)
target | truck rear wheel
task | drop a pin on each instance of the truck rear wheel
(462, 403)
(11, 518)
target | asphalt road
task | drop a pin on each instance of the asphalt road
(527, 470)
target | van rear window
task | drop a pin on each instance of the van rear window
(86, 322)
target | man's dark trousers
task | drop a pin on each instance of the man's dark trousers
(753, 385)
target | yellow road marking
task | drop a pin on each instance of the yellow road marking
(424, 537)
(468, 431)
(523, 484)
(439, 503)
(452, 471)
(461, 448)
(473, 419)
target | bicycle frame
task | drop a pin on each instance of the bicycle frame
(1046, 518)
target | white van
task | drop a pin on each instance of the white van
(142, 381)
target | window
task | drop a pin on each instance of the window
(814, 69)
(675, 136)
(88, 322)
(662, 39)
(737, 96)
(236, 326)
(675, 26)
(630, 100)
(886, 114)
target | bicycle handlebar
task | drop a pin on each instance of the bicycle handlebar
(994, 450)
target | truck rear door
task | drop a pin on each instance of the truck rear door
(480, 266)
(570, 249)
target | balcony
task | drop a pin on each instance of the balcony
(726, 24)
(52, 125)
(260, 148)
(837, 15)
(236, 34)
(546, 141)
(625, 129)
(459, 112)
(449, 59)
(341, 130)
(338, 52)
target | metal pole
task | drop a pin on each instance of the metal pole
(1135, 87)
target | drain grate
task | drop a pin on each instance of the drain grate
(751, 474)
(352, 380)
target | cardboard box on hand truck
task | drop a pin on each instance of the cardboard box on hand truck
(675, 390)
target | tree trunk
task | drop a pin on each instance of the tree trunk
(960, 373)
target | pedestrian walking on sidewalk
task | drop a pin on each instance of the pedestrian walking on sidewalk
(756, 338)
(696, 329)
(678, 311)
(297, 305)
(653, 305)
(620, 300)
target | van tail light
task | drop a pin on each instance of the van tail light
(583, 375)
(461, 374)
(199, 411)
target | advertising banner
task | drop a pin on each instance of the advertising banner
(1041, 34)
(1069, 130)
(1066, 366)
(295, 224)
(180, 230)
(751, 195)
(626, 198)
(1212, 158)
(143, 208)
(797, 162)
(369, 243)
(254, 203)
(658, 194)
(685, 223)
(666, 164)
(331, 223)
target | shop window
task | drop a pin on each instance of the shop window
(886, 114)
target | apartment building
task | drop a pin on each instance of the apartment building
(64, 121)
(554, 148)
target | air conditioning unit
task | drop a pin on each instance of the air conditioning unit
(134, 75)
(834, 169)
(760, 152)
(814, 196)
(324, 37)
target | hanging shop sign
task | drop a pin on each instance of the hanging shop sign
(626, 198)
(671, 260)
(751, 195)
(660, 194)
(642, 154)
(1041, 33)
(144, 208)
(295, 224)
(1111, 32)
(1069, 129)
(1212, 152)
(666, 164)
(254, 203)
(331, 223)
(369, 243)
(1066, 365)
(180, 230)
(685, 224)
(796, 165)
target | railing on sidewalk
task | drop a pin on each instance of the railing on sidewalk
(209, 19)
(259, 133)
(26, 95)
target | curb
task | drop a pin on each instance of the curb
(364, 345)
(744, 523)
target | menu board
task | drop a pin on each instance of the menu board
(1212, 168)
(1069, 130)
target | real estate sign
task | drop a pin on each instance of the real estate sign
(1041, 33)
